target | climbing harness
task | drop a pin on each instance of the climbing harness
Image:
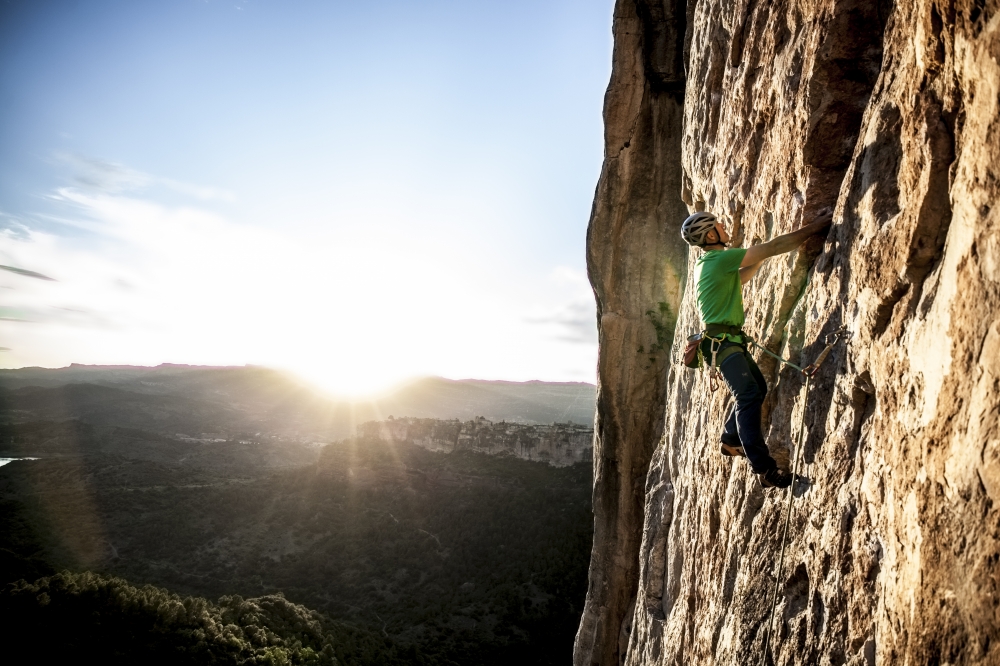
(808, 372)
(693, 355)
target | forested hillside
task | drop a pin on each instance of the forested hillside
(448, 558)
(73, 618)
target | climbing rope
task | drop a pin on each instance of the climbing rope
(809, 371)
(771, 353)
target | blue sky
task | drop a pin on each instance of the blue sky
(361, 192)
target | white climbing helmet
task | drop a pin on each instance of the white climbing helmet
(696, 227)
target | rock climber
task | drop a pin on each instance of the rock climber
(720, 274)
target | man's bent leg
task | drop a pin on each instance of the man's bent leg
(730, 438)
(757, 374)
(730, 434)
(749, 397)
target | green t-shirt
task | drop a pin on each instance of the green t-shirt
(720, 292)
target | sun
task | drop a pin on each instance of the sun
(352, 378)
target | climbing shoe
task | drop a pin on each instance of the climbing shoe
(730, 450)
(775, 478)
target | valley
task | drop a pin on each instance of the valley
(457, 557)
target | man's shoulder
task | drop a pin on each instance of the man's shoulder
(727, 252)
(722, 258)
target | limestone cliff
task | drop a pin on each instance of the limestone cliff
(890, 113)
(638, 273)
(558, 444)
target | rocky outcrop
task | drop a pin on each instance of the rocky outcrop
(890, 113)
(559, 444)
(638, 272)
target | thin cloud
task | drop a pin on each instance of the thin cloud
(13, 228)
(54, 315)
(14, 314)
(197, 191)
(97, 175)
(102, 175)
(577, 321)
(27, 273)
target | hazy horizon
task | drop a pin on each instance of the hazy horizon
(363, 195)
(352, 396)
(267, 367)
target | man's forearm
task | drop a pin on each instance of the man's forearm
(790, 241)
(784, 243)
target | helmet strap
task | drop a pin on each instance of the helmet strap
(717, 242)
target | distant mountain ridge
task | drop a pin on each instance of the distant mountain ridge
(247, 401)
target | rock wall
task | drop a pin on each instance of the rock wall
(638, 272)
(890, 113)
(559, 444)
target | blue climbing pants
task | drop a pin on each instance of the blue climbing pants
(743, 428)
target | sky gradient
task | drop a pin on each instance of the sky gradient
(358, 192)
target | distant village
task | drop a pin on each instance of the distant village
(559, 444)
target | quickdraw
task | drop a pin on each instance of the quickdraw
(714, 345)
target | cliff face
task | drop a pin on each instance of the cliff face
(890, 114)
(638, 271)
(559, 444)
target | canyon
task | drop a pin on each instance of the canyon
(765, 114)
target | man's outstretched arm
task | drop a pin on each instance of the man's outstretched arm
(780, 245)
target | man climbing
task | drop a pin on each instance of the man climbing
(720, 274)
